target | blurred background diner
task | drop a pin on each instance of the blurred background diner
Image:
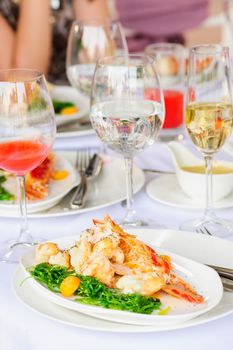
(34, 33)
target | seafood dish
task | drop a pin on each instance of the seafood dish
(111, 268)
(36, 182)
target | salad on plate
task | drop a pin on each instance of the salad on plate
(69, 105)
(44, 185)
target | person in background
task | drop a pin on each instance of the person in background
(151, 21)
(34, 33)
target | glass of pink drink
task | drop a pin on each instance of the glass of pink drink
(27, 133)
(170, 64)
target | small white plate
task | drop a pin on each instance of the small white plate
(199, 247)
(107, 189)
(166, 190)
(69, 94)
(57, 189)
(205, 280)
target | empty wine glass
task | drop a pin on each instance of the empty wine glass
(209, 122)
(124, 115)
(27, 132)
(88, 41)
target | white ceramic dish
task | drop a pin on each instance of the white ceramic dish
(199, 247)
(193, 184)
(202, 278)
(56, 190)
(112, 177)
(69, 94)
(228, 146)
(166, 190)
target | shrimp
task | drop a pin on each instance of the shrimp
(45, 251)
(38, 179)
(178, 288)
(138, 256)
(99, 266)
(144, 284)
(61, 258)
(79, 254)
(109, 247)
(142, 259)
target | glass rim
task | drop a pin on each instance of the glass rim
(36, 74)
(96, 22)
(104, 60)
(164, 46)
(209, 49)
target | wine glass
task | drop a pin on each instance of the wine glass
(124, 115)
(88, 41)
(27, 132)
(209, 122)
(170, 65)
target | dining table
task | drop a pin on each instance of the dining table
(23, 329)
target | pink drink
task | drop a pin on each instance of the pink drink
(20, 157)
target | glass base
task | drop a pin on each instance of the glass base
(11, 251)
(132, 220)
(212, 226)
(140, 222)
(148, 223)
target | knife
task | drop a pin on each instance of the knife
(93, 169)
(223, 271)
(158, 171)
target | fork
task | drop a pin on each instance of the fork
(203, 230)
(82, 161)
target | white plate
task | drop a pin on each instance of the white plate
(69, 94)
(205, 280)
(56, 190)
(107, 189)
(166, 190)
(199, 247)
(74, 130)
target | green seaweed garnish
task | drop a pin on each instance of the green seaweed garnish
(93, 292)
(60, 105)
(4, 194)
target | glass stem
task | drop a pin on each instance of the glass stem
(24, 236)
(209, 210)
(130, 214)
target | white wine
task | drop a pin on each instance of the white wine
(218, 169)
(127, 126)
(209, 125)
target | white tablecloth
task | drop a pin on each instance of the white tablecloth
(21, 329)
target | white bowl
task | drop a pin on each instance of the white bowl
(194, 184)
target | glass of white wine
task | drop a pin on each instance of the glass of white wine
(208, 121)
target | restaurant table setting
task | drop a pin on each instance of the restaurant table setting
(125, 230)
(64, 329)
